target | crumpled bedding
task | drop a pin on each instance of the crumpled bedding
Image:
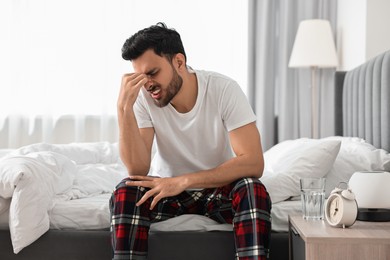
(39, 175)
(40, 179)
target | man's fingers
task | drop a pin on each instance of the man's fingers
(159, 188)
(134, 183)
(133, 78)
(130, 76)
(146, 196)
(155, 200)
(143, 181)
(139, 81)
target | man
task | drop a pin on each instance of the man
(208, 156)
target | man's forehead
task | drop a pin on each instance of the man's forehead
(147, 62)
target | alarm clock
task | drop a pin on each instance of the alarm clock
(341, 208)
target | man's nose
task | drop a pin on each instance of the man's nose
(149, 83)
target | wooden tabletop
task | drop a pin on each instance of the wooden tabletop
(312, 230)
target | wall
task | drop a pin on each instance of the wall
(378, 24)
(362, 31)
(351, 33)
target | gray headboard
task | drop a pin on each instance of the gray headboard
(363, 101)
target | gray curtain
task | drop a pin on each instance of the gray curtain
(281, 96)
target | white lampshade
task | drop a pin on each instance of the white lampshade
(314, 45)
(371, 189)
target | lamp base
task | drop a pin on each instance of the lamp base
(374, 215)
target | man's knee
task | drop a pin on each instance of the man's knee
(251, 189)
(125, 197)
(249, 184)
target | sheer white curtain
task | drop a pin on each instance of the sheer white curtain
(61, 65)
(281, 96)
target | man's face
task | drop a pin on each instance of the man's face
(164, 81)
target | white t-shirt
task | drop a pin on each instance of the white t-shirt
(197, 140)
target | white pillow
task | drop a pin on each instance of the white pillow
(288, 161)
(355, 155)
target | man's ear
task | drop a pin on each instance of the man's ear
(180, 60)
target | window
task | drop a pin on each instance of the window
(63, 57)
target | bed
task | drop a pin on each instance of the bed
(72, 223)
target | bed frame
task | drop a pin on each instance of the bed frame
(362, 101)
(84, 245)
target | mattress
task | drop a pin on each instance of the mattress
(93, 213)
(85, 213)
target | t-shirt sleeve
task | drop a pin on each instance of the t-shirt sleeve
(235, 107)
(142, 113)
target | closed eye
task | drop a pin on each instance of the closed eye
(151, 73)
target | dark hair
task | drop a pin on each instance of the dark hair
(162, 40)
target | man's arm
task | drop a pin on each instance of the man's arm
(248, 162)
(134, 144)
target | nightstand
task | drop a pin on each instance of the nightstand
(316, 240)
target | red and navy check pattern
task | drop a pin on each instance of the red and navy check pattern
(244, 203)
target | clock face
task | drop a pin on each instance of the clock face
(335, 209)
(340, 209)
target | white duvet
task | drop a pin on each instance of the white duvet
(38, 176)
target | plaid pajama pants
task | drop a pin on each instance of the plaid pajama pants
(244, 203)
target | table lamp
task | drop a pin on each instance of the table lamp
(314, 48)
(372, 194)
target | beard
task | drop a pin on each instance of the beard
(173, 88)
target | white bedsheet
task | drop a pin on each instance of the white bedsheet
(93, 213)
(86, 213)
(68, 187)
